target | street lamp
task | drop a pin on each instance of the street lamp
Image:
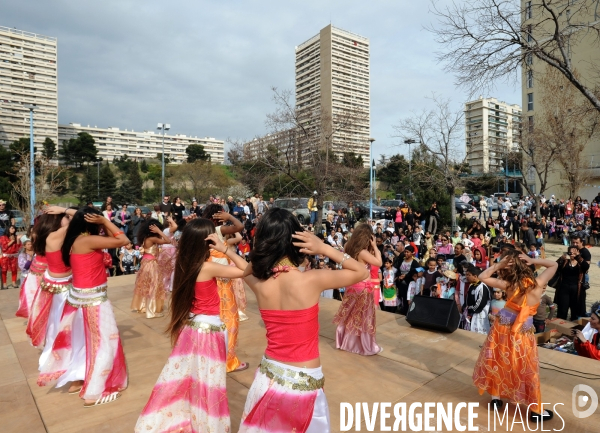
(98, 178)
(164, 127)
(371, 186)
(31, 107)
(409, 142)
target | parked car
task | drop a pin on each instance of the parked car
(462, 206)
(298, 206)
(19, 219)
(362, 210)
(391, 203)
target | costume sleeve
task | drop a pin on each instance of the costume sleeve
(587, 349)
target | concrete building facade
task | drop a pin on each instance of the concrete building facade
(28, 75)
(115, 142)
(332, 75)
(583, 49)
(492, 129)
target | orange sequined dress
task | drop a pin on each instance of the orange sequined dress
(508, 365)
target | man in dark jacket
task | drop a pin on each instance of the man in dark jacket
(527, 235)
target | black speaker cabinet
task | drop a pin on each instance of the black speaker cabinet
(433, 313)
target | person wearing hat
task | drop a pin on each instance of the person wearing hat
(313, 208)
(587, 341)
(7, 218)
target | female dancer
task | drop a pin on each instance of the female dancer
(56, 280)
(149, 293)
(10, 245)
(168, 253)
(238, 283)
(31, 283)
(87, 349)
(355, 318)
(190, 393)
(508, 363)
(229, 307)
(287, 392)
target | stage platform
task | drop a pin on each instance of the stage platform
(415, 366)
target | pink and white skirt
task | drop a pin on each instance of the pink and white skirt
(29, 288)
(87, 346)
(190, 394)
(284, 398)
(45, 305)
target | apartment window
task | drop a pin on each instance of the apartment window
(528, 10)
(530, 102)
(529, 31)
(529, 79)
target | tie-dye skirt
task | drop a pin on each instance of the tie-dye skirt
(190, 394)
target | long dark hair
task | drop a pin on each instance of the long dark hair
(45, 225)
(211, 210)
(7, 231)
(192, 253)
(77, 226)
(145, 230)
(273, 242)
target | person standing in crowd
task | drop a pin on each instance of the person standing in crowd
(433, 218)
(136, 222)
(108, 202)
(431, 276)
(127, 259)
(109, 213)
(230, 204)
(25, 259)
(7, 218)
(157, 215)
(165, 207)
(313, 208)
(483, 208)
(149, 293)
(509, 356)
(10, 245)
(406, 267)
(571, 270)
(196, 367)
(177, 209)
(287, 390)
(123, 219)
(477, 303)
(195, 209)
(545, 311)
(99, 368)
(577, 241)
(355, 319)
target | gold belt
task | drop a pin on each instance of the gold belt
(55, 287)
(300, 381)
(87, 302)
(205, 327)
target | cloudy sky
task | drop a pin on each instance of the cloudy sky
(207, 67)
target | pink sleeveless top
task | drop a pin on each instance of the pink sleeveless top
(88, 270)
(292, 335)
(55, 262)
(206, 298)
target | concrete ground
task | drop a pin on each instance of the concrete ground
(416, 366)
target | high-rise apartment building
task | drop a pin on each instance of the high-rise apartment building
(332, 98)
(28, 75)
(492, 130)
(114, 143)
(579, 19)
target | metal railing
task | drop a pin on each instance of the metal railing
(27, 34)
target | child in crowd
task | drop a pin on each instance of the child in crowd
(533, 252)
(390, 296)
(244, 248)
(416, 285)
(546, 311)
(497, 304)
(430, 278)
(456, 238)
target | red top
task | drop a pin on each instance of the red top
(589, 349)
(88, 270)
(292, 335)
(374, 272)
(55, 262)
(13, 249)
(206, 298)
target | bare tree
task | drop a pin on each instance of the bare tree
(49, 180)
(301, 151)
(489, 40)
(439, 132)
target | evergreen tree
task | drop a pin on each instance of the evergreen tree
(20, 148)
(77, 151)
(89, 186)
(49, 150)
(196, 152)
(108, 182)
(144, 166)
(130, 190)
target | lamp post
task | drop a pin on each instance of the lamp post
(98, 178)
(31, 107)
(164, 127)
(371, 186)
(409, 142)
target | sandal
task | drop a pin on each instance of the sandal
(243, 366)
(77, 391)
(103, 400)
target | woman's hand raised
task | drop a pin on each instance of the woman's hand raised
(308, 243)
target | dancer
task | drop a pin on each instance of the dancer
(168, 253)
(10, 245)
(229, 307)
(238, 283)
(287, 392)
(355, 318)
(56, 281)
(508, 364)
(31, 283)
(87, 350)
(190, 393)
(149, 293)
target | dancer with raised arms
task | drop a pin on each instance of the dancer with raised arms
(508, 364)
(287, 392)
(190, 393)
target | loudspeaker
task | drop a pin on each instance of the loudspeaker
(433, 313)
